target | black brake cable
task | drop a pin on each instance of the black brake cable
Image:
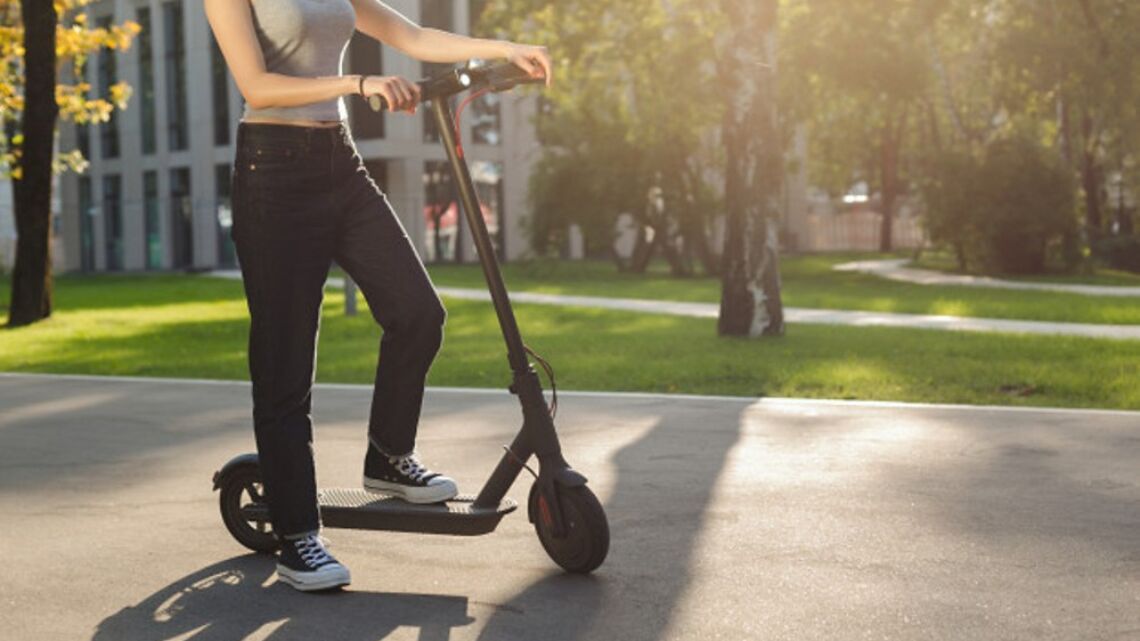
(549, 374)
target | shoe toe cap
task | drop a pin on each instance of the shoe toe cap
(441, 481)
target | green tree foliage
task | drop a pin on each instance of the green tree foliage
(1075, 66)
(855, 74)
(954, 77)
(631, 109)
(891, 92)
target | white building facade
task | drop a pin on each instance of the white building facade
(157, 193)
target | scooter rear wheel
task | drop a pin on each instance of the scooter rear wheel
(240, 490)
(587, 539)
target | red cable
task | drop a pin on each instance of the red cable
(462, 106)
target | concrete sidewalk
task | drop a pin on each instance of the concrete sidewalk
(797, 315)
(731, 519)
(896, 269)
(822, 316)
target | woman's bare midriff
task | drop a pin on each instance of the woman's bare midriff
(295, 122)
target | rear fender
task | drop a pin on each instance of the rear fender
(233, 465)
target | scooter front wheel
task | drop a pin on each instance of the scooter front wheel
(244, 511)
(587, 539)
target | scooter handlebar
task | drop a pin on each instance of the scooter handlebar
(498, 77)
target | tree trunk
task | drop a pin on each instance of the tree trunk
(31, 275)
(750, 285)
(1064, 131)
(677, 265)
(892, 141)
(696, 240)
(696, 224)
(1091, 179)
(642, 250)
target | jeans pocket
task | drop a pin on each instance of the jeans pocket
(263, 156)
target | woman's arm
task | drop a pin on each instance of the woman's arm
(232, 23)
(389, 26)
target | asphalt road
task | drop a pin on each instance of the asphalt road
(731, 519)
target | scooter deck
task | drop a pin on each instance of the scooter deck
(359, 510)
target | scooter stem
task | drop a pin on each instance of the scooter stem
(537, 436)
(444, 121)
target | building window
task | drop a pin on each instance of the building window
(83, 140)
(113, 221)
(107, 70)
(227, 256)
(181, 218)
(486, 120)
(146, 79)
(441, 213)
(365, 57)
(153, 228)
(86, 225)
(488, 179)
(436, 14)
(176, 125)
(221, 94)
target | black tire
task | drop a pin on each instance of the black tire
(587, 539)
(240, 489)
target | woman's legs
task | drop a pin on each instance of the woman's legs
(374, 249)
(284, 244)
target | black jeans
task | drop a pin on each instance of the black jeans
(302, 198)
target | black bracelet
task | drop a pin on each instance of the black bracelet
(362, 76)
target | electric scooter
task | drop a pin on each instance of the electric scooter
(567, 516)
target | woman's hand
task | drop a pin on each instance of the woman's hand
(400, 93)
(534, 60)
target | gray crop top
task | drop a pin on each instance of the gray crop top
(303, 38)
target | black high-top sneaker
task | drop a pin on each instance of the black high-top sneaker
(306, 565)
(406, 478)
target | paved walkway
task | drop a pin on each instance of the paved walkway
(798, 315)
(822, 316)
(896, 269)
(731, 518)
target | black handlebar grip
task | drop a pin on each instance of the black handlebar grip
(504, 76)
(498, 77)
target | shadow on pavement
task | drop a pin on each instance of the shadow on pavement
(1014, 491)
(230, 600)
(664, 485)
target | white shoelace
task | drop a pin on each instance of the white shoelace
(312, 550)
(410, 467)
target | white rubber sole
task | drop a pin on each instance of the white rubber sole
(323, 579)
(429, 494)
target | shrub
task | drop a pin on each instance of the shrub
(1120, 252)
(1005, 210)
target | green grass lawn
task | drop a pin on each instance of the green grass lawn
(808, 281)
(194, 326)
